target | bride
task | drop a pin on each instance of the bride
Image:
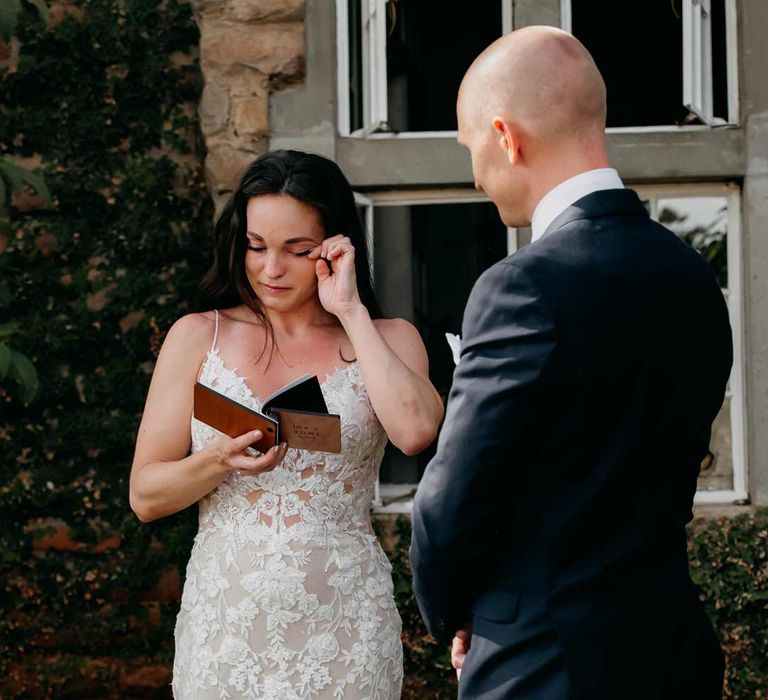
(288, 594)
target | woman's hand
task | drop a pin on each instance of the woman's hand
(336, 287)
(230, 453)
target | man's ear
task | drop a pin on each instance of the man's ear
(509, 138)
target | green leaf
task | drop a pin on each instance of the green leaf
(38, 184)
(9, 15)
(5, 360)
(8, 329)
(42, 9)
(23, 370)
(2, 194)
(17, 176)
(12, 172)
(5, 295)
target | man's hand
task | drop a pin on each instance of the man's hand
(460, 647)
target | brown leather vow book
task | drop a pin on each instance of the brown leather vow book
(296, 414)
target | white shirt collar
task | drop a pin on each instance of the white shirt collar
(557, 200)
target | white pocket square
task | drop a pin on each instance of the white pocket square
(454, 341)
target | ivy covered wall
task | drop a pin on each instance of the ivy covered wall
(104, 104)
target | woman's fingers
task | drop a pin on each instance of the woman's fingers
(332, 243)
(322, 271)
(339, 249)
(239, 443)
(260, 464)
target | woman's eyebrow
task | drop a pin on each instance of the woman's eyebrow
(290, 241)
(302, 239)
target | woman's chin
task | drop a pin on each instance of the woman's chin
(288, 302)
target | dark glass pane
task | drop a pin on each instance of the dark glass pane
(430, 45)
(355, 66)
(428, 257)
(638, 49)
(719, 61)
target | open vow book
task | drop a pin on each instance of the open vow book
(296, 414)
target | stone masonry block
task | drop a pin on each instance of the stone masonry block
(265, 10)
(223, 165)
(250, 115)
(275, 50)
(214, 107)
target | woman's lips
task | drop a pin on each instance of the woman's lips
(275, 290)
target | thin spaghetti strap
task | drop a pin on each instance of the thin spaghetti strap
(215, 330)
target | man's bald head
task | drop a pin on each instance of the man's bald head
(531, 112)
(541, 77)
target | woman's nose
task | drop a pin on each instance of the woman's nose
(275, 265)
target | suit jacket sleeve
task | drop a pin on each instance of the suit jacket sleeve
(507, 338)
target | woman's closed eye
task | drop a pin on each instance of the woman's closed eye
(298, 253)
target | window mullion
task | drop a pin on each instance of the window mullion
(697, 60)
(375, 65)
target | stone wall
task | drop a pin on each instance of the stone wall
(248, 49)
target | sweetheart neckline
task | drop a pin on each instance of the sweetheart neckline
(245, 385)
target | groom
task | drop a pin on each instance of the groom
(549, 536)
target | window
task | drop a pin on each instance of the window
(674, 64)
(707, 218)
(442, 240)
(429, 248)
(400, 62)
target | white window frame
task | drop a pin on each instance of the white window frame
(697, 65)
(374, 50)
(399, 497)
(739, 494)
(697, 61)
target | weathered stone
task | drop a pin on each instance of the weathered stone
(184, 58)
(248, 49)
(265, 10)
(276, 50)
(130, 320)
(240, 80)
(60, 11)
(250, 115)
(27, 200)
(108, 543)
(45, 243)
(54, 534)
(223, 165)
(146, 676)
(96, 301)
(214, 107)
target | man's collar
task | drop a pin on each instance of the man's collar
(566, 193)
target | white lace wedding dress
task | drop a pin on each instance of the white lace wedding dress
(288, 594)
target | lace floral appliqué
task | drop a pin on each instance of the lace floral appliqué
(288, 595)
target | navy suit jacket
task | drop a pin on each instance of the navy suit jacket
(553, 515)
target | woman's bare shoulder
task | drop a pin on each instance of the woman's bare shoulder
(396, 329)
(192, 333)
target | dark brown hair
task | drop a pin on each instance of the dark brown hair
(310, 178)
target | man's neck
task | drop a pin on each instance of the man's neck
(562, 171)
